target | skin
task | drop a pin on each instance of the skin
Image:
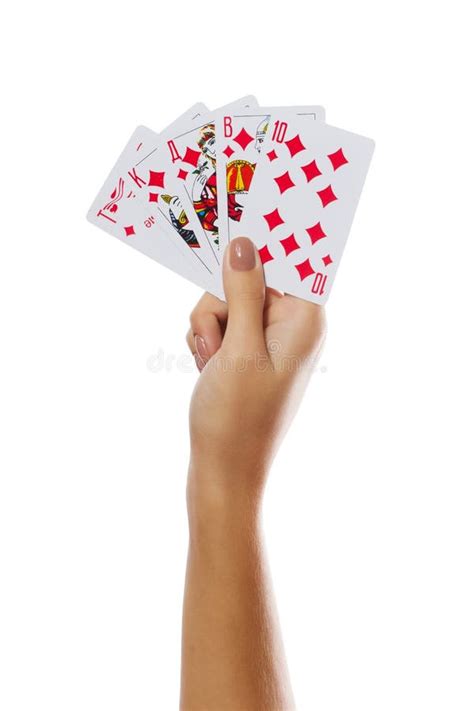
(255, 354)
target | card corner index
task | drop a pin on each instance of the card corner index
(91, 215)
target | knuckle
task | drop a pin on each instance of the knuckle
(190, 338)
(251, 295)
(200, 309)
(195, 316)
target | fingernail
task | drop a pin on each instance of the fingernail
(201, 347)
(242, 254)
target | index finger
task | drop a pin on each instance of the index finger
(208, 320)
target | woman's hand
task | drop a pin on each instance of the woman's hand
(256, 354)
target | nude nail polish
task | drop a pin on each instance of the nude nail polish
(201, 347)
(242, 254)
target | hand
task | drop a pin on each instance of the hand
(256, 354)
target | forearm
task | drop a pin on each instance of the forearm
(233, 658)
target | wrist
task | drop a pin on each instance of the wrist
(223, 496)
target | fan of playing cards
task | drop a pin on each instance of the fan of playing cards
(279, 175)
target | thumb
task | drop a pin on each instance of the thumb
(244, 288)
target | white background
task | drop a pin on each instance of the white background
(369, 513)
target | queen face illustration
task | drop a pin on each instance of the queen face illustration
(209, 148)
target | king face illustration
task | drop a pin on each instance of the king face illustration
(179, 220)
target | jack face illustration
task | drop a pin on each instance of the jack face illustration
(240, 173)
(239, 177)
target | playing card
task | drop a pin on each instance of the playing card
(157, 187)
(239, 138)
(191, 158)
(118, 211)
(303, 199)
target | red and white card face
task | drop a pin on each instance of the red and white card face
(240, 135)
(192, 159)
(304, 196)
(163, 234)
(153, 179)
(279, 175)
(117, 211)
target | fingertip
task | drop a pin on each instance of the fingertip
(241, 255)
(207, 335)
(201, 347)
(272, 295)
